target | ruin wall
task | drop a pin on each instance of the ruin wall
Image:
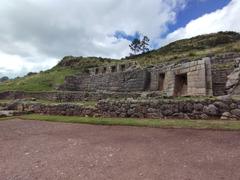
(222, 66)
(183, 79)
(133, 80)
(67, 96)
(201, 77)
(159, 109)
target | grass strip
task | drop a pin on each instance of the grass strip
(6, 118)
(156, 123)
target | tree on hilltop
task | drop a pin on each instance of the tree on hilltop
(145, 44)
(139, 46)
(135, 46)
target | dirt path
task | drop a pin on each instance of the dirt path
(32, 150)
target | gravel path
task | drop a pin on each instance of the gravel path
(32, 150)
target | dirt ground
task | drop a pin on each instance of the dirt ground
(31, 150)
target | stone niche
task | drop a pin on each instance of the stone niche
(112, 68)
(104, 70)
(161, 80)
(122, 67)
(184, 79)
(181, 85)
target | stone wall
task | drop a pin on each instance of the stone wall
(120, 67)
(222, 66)
(199, 77)
(68, 96)
(188, 109)
(183, 79)
(132, 80)
(207, 76)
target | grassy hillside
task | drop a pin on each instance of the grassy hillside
(192, 48)
(196, 47)
(44, 81)
(51, 79)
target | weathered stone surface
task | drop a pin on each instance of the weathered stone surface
(198, 107)
(222, 107)
(210, 110)
(154, 115)
(134, 80)
(233, 106)
(139, 109)
(236, 112)
(233, 79)
(220, 72)
(180, 116)
(67, 96)
(226, 116)
(224, 98)
(203, 116)
(6, 113)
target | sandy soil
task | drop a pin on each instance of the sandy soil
(31, 150)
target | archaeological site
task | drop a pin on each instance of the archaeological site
(152, 85)
(201, 77)
(119, 90)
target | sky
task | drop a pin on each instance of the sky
(36, 34)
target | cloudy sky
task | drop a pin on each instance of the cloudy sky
(36, 34)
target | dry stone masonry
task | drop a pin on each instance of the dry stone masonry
(130, 108)
(183, 79)
(202, 77)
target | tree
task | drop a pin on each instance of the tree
(140, 46)
(4, 78)
(135, 46)
(145, 44)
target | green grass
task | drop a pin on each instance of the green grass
(193, 48)
(158, 57)
(44, 81)
(84, 103)
(156, 123)
(5, 118)
(51, 79)
(5, 101)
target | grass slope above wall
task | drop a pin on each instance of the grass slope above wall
(44, 81)
(49, 80)
(193, 48)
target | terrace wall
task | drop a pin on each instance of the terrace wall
(159, 109)
(134, 80)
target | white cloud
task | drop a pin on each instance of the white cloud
(15, 65)
(225, 19)
(35, 34)
(33, 31)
